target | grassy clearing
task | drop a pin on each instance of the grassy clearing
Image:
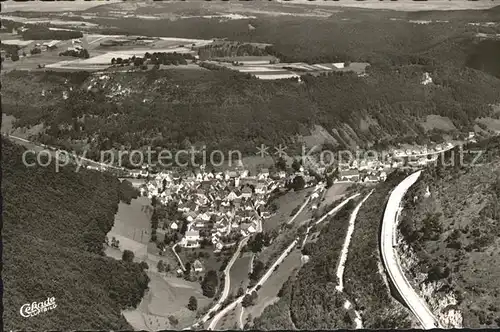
(231, 320)
(239, 273)
(268, 294)
(438, 122)
(286, 205)
(167, 296)
(490, 123)
(133, 221)
(335, 192)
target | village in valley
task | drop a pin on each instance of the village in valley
(209, 209)
(219, 208)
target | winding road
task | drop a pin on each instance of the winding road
(227, 282)
(414, 302)
(347, 241)
(269, 271)
(178, 258)
(57, 153)
(335, 209)
(299, 211)
(262, 280)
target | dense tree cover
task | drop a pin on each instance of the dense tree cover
(10, 25)
(365, 283)
(40, 32)
(230, 49)
(210, 283)
(128, 256)
(35, 50)
(249, 299)
(298, 183)
(454, 230)
(54, 227)
(257, 272)
(155, 58)
(484, 56)
(277, 315)
(258, 242)
(356, 35)
(167, 58)
(315, 285)
(128, 191)
(83, 53)
(227, 111)
(9, 49)
(193, 303)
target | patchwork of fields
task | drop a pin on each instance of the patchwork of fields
(269, 71)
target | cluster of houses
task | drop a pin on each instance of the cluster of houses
(366, 171)
(219, 206)
(373, 170)
(424, 151)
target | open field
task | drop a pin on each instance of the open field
(230, 321)
(438, 122)
(100, 56)
(268, 294)
(286, 204)
(132, 227)
(269, 71)
(490, 123)
(167, 296)
(239, 273)
(132, 219)
(335, 192)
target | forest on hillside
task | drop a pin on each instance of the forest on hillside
(226, 110)
(454, 231)
(364, 274)
(314, 285)
(372, 36)
(54, 227)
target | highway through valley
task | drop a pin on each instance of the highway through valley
(415, 303)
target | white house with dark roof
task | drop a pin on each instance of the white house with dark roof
(191, 239)
(264, 174)
(246, 192)
(197, 266)
(349, 175)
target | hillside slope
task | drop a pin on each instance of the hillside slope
(310, 299)
(54, 227)
(451, 232)
(176, 108)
